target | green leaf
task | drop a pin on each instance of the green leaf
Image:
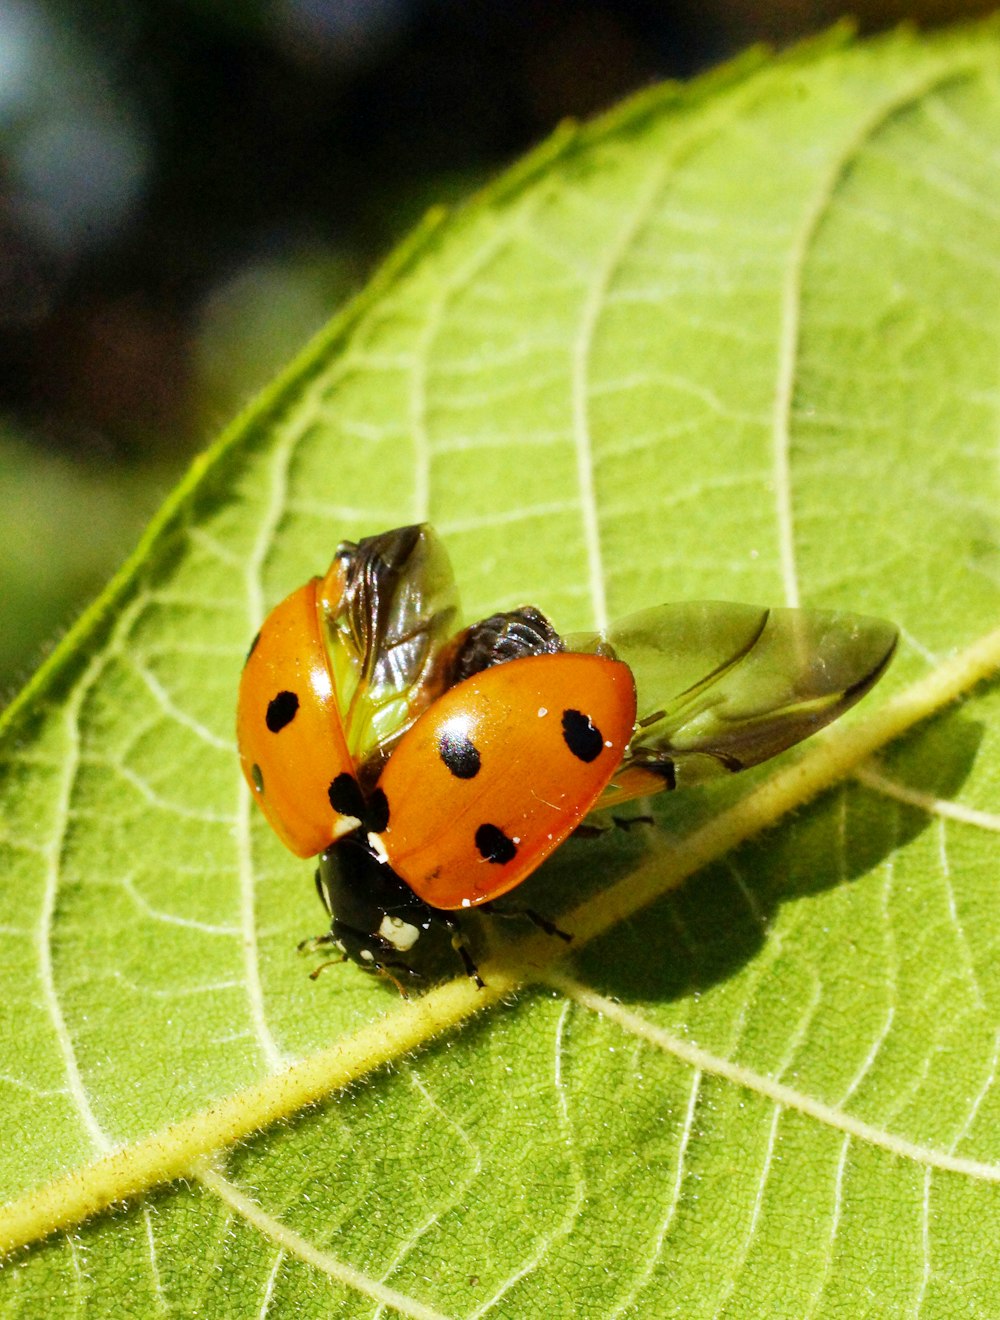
(737, 340)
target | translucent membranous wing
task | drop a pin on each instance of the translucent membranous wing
(722, 687)
(388, 604)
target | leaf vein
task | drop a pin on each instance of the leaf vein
(873, 778)
(646, 1275)
(781, 1094)
(791, 301)
(295, 1245)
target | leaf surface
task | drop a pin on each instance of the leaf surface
(738, 340)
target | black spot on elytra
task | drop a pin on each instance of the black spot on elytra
(459, 754)
(376, 816)
(583, 738)
(345, 796)
(281, 710)
(257, 777)
(494, 845)
(253, 647)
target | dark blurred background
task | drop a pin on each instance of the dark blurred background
(188, 190)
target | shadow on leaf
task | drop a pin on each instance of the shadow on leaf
(719, 919)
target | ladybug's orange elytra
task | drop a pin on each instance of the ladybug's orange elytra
(289, 726)
(499, 771)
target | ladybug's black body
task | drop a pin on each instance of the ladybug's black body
(378, 921)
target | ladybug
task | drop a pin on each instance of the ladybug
(433, 773)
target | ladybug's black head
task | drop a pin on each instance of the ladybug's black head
(378, 921)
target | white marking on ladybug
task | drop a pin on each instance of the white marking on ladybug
(367, 955)
(542, 711)
(344, 825)
(399, 933)
(378, 847)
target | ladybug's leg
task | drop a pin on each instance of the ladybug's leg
(626, 822)
(315, 942)
(536, 919)
(543, 923)
(383, 970)
(330, 962)
(590, 829)
(377, 968)
(471, 970)
(460, 947)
